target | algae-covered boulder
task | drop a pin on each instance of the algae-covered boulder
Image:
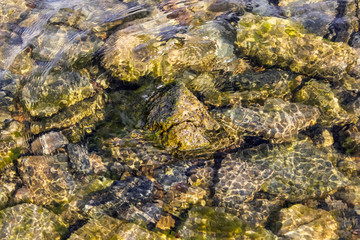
(108, 228)
(281, 42)
(182, 122)
(320, 95)
(301, 222)
(46, 178)
(130, 55)
(81, 116)
(212, 223)
(28, 221)
(277, 120)
(294, 172)
(45, 95)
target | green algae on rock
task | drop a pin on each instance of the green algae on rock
(129, 55)
(212, 223)
(281, 42)
(183, 123)
(108, 228)
(28, 221)
(320, 95)
(45, 95)
(81, 115)
(301, 222)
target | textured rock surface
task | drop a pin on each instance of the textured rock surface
(44, 96)
(182, 121)
(277, 120)
(48, 143)
(211, 223)
(301, 222)
(130, 200)
(281, 42)
(110, 228)
(28, 221)
(47, 179)
(293, 172)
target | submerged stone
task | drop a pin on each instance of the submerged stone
(75, 118)
(45, 95)
(65, 43)
(46, 178)
(82, 162)
(320, 95)
(295, 172)
(131, 200)
(108, 228)
(28, 221)
(205, 48)
(48, 143)
(281, 42)
(137, 151)
(301, 222)
(183, 123)
(330, 18)
(212, 223)
(277, 120)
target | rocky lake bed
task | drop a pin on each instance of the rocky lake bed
(169, 119)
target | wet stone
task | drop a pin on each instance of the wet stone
(47, 179)
(8, 184)
(183, 123)
(48, 143)
(294, 173)
(130, 199)
(257, 36)
(137, 150)
(28, 221)
(51, 44)
(108, 228)
(45, 95)
(320, 95)
(301, 222)
(257, 87)
(12, 10)
(277, 120)
(212, 223)
(335, 20)
(147, 54)
(81, 161)
(82, 115)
